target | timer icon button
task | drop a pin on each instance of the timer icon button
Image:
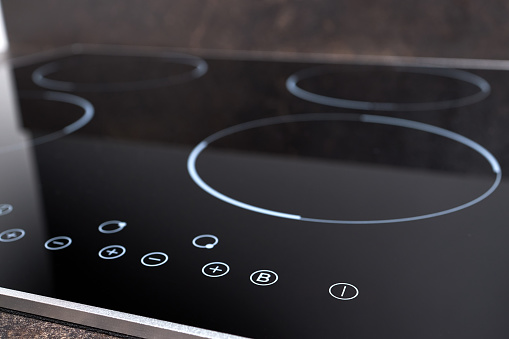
(5, 209)
(12, 235)
(112, 226)
(343, 291)
(263, 278)
(215, 269)
(57, 243)
(207, 241)
(112, 252)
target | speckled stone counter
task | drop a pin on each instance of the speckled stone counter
(19, 326)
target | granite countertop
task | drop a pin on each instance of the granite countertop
(14, 325)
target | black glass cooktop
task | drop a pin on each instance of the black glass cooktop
(260, 198)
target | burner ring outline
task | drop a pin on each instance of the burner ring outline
(39, 77)
(483, 86)
(367, 118)
(88, 115)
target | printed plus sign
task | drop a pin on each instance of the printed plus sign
(112, 252)
(12, 235)
(215, 269)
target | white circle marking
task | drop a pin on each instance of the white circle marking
(120, 224)
(480, 83)
(262, 271)
(21, 235)
(158, 263)
(65, 244)
(122, 248)
(343, 298)
(207, 246)
(215, 263)
(374, 119)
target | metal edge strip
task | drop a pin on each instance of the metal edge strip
(102, 318)
(383, 60)
(29, 59)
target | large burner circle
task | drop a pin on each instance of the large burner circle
(40, 76)
(323, 117)
(292, 84)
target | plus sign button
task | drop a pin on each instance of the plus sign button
(112, 252)
(12, 235)
(215, 269)
(263, 277)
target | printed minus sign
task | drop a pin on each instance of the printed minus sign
(156, 259)
(58, 243)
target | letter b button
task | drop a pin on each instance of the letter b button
(263, 277)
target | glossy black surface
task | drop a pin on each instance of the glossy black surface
(439, 277)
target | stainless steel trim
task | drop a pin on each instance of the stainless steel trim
(485, 64)
(26, 60)
(97, 317)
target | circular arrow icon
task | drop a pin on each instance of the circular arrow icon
(112, 226)
(211, 240)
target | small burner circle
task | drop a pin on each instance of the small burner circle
(39, 76)
(483, 86)
(365, 118)
(88, 115)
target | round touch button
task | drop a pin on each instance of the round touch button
(12, 235)
(215, 269)
(5, 209)
(207, 241)
(112, 252)
(57, 243)
(112, 226)
(153, 259)
(343, 291)
(263, 277)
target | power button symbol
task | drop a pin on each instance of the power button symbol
(263, 277)
(343, 291)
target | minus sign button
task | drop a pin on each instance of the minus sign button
(153, 259)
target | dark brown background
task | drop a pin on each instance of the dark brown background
(444, 28)
(439, 28)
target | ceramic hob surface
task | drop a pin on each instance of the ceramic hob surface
(260, 198)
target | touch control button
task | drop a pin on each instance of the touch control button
(209, 239)
(57, 243)
(5, 209)
(12, 235)
(112, 252)
(112, 226)
(263, 277)
(343, 291)
(154, 259)
(215, 269)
